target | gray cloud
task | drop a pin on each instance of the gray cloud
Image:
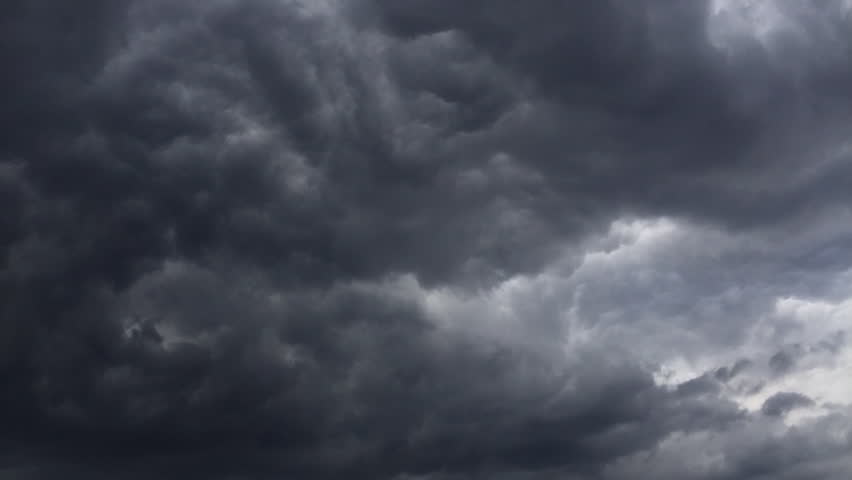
(781, 403)
(424, 239)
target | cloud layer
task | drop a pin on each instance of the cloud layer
(431, 240)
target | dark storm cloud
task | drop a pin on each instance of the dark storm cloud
(225, 226)
(648, 113)
(346, 382)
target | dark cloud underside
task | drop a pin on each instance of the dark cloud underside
(398, 239)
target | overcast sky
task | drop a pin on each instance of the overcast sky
(426, 239)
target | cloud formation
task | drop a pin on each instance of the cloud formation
(425, 239)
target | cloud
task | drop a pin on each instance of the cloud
(783, 402)
(414, 239)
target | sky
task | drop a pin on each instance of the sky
(426, 239)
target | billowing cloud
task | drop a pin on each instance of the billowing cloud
(425, 239)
